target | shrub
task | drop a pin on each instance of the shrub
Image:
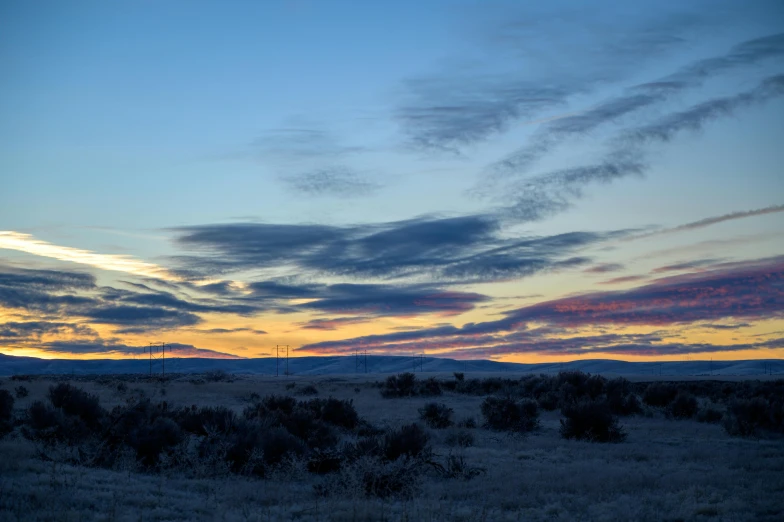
(683, 406)
(592, 421)
(6, 411)
(436, 415)
(402, 385)
(430, 387)
(576, 385)
(48, 424)
(322, 462)
(548, 401)
(709, 414)
(389, 479)
(204, 421)
(747, 418)
(77, 402)
(621, 398)
(409, 440)
(468, 422)
(460, 438)
(252, 447)
(459, 376)
(506, 414)
(21, 392)
(308, 390)
(151, 439)
(270, 404)
(337, 412)
(659, 394)
(456, 467)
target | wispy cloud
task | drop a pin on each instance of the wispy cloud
(120, 263)
(332, 324)
(542, 195)
(459, 249)
(459, 107)
(741, 214)
(751, 290)
(639, 97)
(340, 182)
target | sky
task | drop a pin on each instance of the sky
(517, 181)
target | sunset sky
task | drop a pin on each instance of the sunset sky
(518, 181)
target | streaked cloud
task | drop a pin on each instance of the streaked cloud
(752, 291)
(120, 263)
(339, 181)
(440, 249)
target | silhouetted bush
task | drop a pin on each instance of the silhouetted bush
(592, 421)
(457, 468)
(430, 387)
(402, 385)
(408, 440)
(548, 401)
(709, 414)
(321, 462)
(621, 398)
(254, 447)
(204, 421)
(459, 376)
(150, 439)
(340, 413)
(575, 385)
(436, 415)
(308, 390)
(659, 394)
(746, 418)
(21, 392)
(459, 438)
(390, 479)
(77, 402)
(506, 414)
(683, 406)
(468, 422)
(6, 411)
(47, 424)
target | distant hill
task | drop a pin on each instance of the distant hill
(12, 365)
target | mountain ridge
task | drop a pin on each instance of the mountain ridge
(377, 364)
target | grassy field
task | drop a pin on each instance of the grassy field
(666, 469)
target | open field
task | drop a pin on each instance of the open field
(665, 469)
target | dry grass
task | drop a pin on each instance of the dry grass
(666, 470)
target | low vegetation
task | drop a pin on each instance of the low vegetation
(413, 437)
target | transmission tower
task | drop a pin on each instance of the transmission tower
(157, 352)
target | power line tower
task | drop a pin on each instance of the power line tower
(157, 352)
(277, 358)
(278, 347)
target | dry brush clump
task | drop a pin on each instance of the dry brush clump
(407, 385)
(436, 415)
(591, 420)
(755, 417)
(508, 414)
(6, 412)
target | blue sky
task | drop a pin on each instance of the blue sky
(324, 174)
